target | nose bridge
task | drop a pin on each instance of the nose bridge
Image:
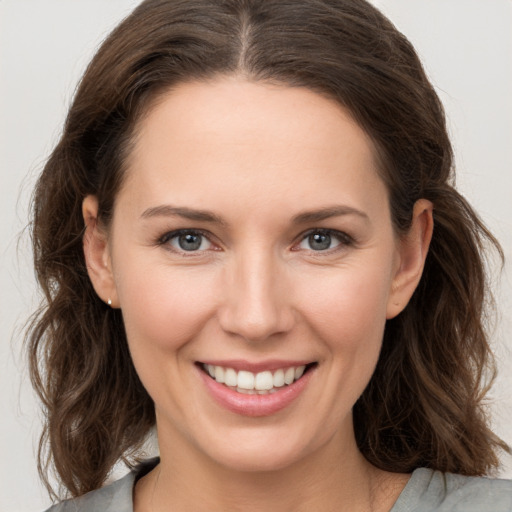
(255, 306)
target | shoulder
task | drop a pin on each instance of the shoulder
(116, 497)
(429, 491)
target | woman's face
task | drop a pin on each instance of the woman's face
(253, 234)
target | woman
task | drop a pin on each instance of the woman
(248, 236)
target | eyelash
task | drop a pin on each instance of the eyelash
(343, 238)
(167, 237)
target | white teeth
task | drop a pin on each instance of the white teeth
(298, 372)
(289, 376)
(246, 391)
(230, 377)
(219, 374)
(279, 379)
(260, 383)
(264, 381)
(245, 380)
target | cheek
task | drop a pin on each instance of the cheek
(163, 310)
(164, 307)
(348, 309)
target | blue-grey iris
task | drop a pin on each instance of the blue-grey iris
(190, 242)
(319, 241)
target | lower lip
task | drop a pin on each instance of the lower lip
(255, 405)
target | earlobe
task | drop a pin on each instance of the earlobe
(97, 255)
(412, 255)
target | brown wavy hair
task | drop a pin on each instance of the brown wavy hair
(423, 406)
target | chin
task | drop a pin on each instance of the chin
(260, 451)
(257, 461)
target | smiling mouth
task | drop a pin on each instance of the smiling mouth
(261, 383)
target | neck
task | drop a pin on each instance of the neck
(334, 478)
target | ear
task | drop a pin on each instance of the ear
(413, 249)
(97, 254)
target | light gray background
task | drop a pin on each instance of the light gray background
(466, 46)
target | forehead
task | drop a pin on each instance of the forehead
(241, 109)
(201, 138)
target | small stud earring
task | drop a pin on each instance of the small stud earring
(109, 301)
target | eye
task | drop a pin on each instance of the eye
(187, 240)
(323, 240)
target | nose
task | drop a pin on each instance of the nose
(257, 301)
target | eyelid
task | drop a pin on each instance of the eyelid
(344, 238)
(169, 235)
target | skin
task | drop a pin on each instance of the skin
(256, 156)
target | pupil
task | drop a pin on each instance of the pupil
(320, 241)
(190, 242)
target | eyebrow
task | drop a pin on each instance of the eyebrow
(187, 213)
(208, 216)
(327, 213)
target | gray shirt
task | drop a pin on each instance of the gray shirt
(426, 491)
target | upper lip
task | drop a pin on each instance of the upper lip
(256, 367)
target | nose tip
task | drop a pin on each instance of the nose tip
(256, 319)
(257, 305)
(254, 327)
